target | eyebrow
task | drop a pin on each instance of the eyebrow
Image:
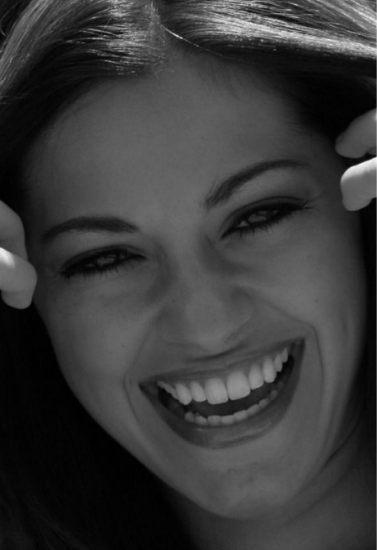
(219, 194)
(225, 190)
(107, 224)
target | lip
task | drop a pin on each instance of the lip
(199, 373)
(215, 437)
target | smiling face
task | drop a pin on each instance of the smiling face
(195, 261)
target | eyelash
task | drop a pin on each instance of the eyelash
(273, 213)
(119, 259)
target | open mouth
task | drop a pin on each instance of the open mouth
(218, 409)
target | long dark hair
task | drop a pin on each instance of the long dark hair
(64, 483)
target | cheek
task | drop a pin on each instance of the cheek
(96, 339)
(321, 283)
(317, 283)
(320, 277)
(97, 346)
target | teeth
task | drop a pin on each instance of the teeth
(214, 420)
(197, 392)
(269, 372)
(253, 410)
(273, 394)
(278, 363)
(168, 388)
(201, 420)
(183, 393)
(216, 391)
(226, 420)
(237, 385)
(255, 377)
(190, 416)
(241, 415)
(164, 386)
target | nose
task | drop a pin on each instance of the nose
(205, 310)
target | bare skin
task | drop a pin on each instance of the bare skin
(211, 489)
(342, 520)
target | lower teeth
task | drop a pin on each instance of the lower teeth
(236, 417)
(229, 416)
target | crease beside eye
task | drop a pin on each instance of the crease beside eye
(270, 214)
(100, 262)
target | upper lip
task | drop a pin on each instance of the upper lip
(217, 365)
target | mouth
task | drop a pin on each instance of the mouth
(240, 402)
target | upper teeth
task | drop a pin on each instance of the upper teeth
(235, 385)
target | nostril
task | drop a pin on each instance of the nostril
(204, 311)
(208, 334)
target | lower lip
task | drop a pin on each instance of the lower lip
(215, 437)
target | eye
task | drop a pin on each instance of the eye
(100, 263)
(265, 216)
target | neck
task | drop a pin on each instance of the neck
(336, 508)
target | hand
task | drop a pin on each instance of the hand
(358, 183)
(18, 277)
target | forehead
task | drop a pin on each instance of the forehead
(190, 120)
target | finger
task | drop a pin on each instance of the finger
(18, 300)
(12, 235)
(358, 185)
(359, 138)
(18, 279)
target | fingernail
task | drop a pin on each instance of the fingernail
(17, 300)
(340, 138)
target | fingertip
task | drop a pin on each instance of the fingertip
(339, 140)
(355, 203)
(18, 300)
(345, 149)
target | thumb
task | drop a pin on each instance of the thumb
(358, 185)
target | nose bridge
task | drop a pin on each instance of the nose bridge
(201, 307)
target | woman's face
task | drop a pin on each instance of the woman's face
(201, 282)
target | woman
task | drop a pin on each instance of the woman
(203, 302)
